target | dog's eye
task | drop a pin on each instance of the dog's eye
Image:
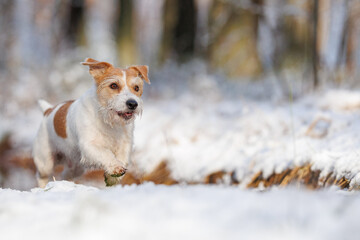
(114, 86)
(136, 88)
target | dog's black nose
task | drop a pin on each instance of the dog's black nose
(131, 104)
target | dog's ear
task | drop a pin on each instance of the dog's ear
(143, 72)
(96, 68)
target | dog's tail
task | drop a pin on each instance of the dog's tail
(44, 105)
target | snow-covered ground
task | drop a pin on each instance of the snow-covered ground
(64, 210)
(198, 137)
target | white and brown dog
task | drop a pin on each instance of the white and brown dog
(95, 130)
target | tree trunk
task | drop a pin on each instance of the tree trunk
(315, 50)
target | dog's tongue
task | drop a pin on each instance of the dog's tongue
(128, 114)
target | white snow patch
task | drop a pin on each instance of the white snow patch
(340, 100)
(250, 136)
(68, 211)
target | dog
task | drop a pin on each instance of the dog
(95, 130)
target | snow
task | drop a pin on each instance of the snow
(250, 135)
(64, 210)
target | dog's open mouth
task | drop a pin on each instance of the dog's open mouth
(126, 115)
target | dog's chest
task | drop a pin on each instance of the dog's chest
(116, 140)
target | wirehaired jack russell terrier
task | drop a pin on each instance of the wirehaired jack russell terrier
(95, 130)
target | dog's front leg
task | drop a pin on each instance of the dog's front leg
(96, 155)
(122, 155)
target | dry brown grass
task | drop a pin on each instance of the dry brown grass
(160, 175)
(303, 175)
(215, 178)
(314, 132)
(221, 177)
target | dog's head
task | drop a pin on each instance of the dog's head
(118, 90)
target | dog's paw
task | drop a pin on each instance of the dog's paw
(115, 177)
(120, 171)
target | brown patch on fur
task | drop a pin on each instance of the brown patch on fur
(95, 175)
(48, 111)
(132, 80)
(60, 119)
(109, 73)
(142, 71)
(102, 71)
(104, 92)
(97, 69)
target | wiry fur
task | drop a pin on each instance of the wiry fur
(96, 134)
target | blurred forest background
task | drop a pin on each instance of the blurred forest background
(296, 45)
(314, 40)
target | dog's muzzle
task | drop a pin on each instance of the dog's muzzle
(131, 104)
